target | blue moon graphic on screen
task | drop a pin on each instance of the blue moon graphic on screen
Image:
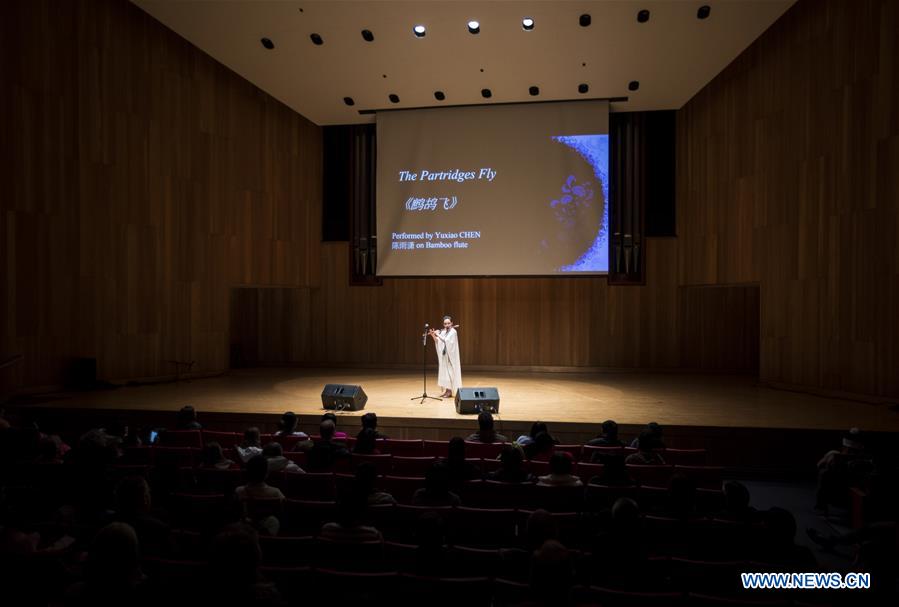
(577, 217)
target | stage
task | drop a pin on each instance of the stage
(696, 410)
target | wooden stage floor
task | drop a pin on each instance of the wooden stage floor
(583, 399)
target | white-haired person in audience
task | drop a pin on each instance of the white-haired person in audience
(251, 445)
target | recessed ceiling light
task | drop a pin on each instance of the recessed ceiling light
(486, 94)
(419, 31)
(534, 91)
(643, 16)
(316, 39)
(704, 11)
(349, 101)
(394, 98)
(474, 27)
(527, 24)
(439, 96)
(633, 85)
(367, 35)
(584, 20)
(583, 87)
(267, 43)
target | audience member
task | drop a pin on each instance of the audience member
(526, 439)
(608, 437)
(234, 564)
(459, 468)
(614, 473)
(256, 487)
(326, 451)
(646, 454)
(288, 426)
(48, 452)
(560, 466)
(839, 470)
(348, 527)
(338, 435)
(655, 430)
(370, 420)
(430, 538)
(366, 442)
(736, 503)
(511, 468)
(552, 574)
(542, 448)
(366, 481)
(112, 573)
(274, 454)
(540, 528)
(214, 457)
(436, 491)
(134, 507)
(779, 542)
(187, 419)
(486, 433)
(251, 445)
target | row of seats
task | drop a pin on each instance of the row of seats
(196, 439)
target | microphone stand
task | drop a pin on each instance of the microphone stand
(424, 372)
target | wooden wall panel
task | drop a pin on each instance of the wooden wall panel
(788, 176)
(142, 180)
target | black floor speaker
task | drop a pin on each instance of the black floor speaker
(475, 400)
(344, 397)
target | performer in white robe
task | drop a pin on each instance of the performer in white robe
(446, 341)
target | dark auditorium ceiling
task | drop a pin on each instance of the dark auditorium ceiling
(672, 55)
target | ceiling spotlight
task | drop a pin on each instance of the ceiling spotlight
(584, 20)
(367, 35)
(486, 94)
(534, 91)
(419, 31)
(643, 16)
(439, 96)
(316, 39)
(703, 12)
(394, 98)
(349, 101)
(582, 88)
(527, 24)
(267, 43)
(633, 85)
(474, 27)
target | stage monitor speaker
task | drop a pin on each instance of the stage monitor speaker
(475, 400)
(344, 397)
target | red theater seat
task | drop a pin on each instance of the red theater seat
(403, 448)
(485, 450)
(411, 466)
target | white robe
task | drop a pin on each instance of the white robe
(449, 376)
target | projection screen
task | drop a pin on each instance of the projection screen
(505, 190)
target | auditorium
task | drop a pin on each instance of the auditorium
(602, 312)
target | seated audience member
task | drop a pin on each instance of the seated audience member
(511, 468)
(431, 557)
(486, 433)
(234, 575)
(552, 574)
(132, 437)
(608, 437)
(620, 547)
(214, 457)
(459, 468)
(366, 481)
(187, 419)
(736, 503)
(655, 430)
(256, 487)
(338, 435)
(366, 442)
(840, 470)
(681, 498)
(436, 491)
(48, 452)
(251, 445)
(112, 573)
(540, 528)
(778, 546)
(276, 460)
(288, 426)
(536, 428)
(560, 466)
(370, 420)
(645, 455)
(134, 506)
(542, 447)
(614, 473)
(326, 451)
(348, 526)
